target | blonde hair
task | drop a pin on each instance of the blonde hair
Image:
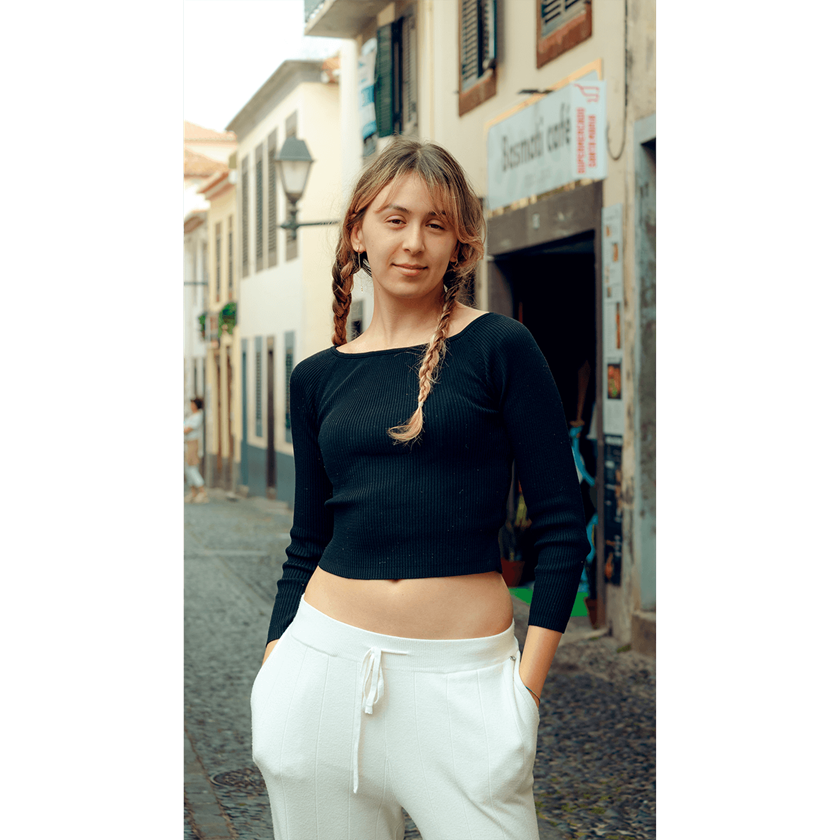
(456, 200)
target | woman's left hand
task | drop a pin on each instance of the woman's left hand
(537, 656)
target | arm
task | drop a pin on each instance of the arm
(537, 656)
(312, 524)
(536, 428)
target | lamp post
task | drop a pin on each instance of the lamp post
(293, 163)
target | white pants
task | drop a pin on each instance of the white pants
(349, 725)
(194, 478)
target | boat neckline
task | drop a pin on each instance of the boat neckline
(337, 352)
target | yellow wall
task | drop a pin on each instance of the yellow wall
(222, 208)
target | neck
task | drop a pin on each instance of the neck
(401, 323)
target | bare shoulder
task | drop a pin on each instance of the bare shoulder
(462, 317)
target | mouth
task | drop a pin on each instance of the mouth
(409, 270)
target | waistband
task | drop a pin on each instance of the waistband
(317, 630)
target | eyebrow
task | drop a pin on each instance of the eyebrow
(405, 210)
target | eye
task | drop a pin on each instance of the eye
(436, 226)
(394, 222)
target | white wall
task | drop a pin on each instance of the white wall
(293, 295)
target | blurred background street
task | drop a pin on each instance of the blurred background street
(595, 766)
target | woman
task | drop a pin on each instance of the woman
(392, 676)
(192, 435)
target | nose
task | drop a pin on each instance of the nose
(413, 238)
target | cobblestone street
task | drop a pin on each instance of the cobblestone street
(595, 767)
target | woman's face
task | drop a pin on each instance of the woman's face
(409, 245)
(193, 406)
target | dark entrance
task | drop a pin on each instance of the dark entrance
(270, 461)
(553, 291)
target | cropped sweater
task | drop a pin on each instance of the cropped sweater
(370, 508)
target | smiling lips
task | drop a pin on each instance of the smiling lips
(410, 270)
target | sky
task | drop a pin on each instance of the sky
(232, 46)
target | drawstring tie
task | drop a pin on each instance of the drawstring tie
(373, 687)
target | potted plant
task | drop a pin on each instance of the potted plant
(227, 318)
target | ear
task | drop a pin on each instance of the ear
(453, 257)
(357, 240)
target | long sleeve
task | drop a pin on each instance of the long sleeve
(435, 509)
(312, 526)
(536, 428)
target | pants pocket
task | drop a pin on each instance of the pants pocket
(525, 698)
(267, 675)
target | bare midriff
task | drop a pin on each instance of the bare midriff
(460, 607)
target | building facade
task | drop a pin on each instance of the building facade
(195, 278)
(550, 107)
(205, 155)
(220, 329)
(285, 288)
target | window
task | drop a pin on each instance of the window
(205, 274)
(244, 209)
(272, 199)
(395, 77)
(258, 215)
(561, 25)
(230, 257)
(258, 386)
(478, 50)
(218, 261)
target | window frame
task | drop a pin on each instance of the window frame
(218, 238)
(574, 31)
(272, 199)
(397, 76)
(244, 210)
(484, 86)
(230, 257)
(258, 386)
(259, 215)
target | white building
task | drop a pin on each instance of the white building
(285, 288)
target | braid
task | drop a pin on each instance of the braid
(342, 273)
(434, 355)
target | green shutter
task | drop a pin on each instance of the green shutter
(478, 40)
(469, 43)
(272, 198)
(488, 35)
(383, 83)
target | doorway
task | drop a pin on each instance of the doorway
(553, 292)
(229, 417)
(218, 472)
(270, 460)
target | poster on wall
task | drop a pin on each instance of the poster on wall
(612, 508)
(612, 262)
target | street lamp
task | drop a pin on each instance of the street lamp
(293, 163)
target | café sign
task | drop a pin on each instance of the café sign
(559, 139)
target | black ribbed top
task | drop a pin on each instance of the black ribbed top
(370, 508)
